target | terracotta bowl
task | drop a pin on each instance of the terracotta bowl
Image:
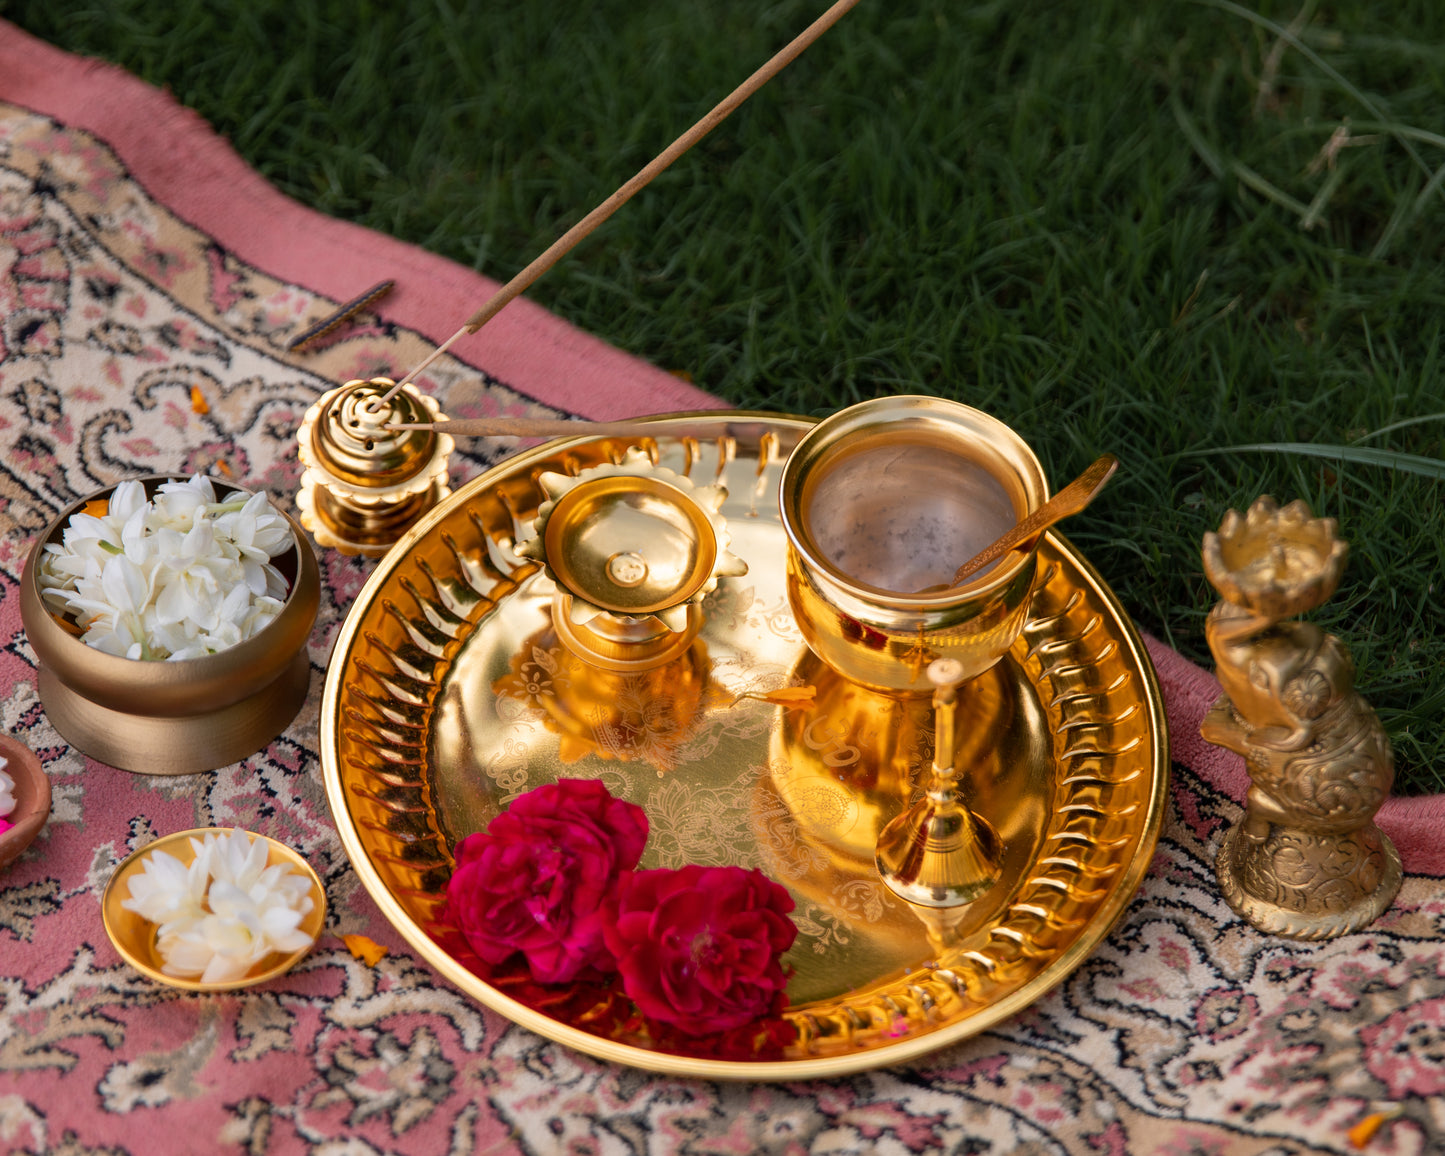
(32, 799)
(174, 718)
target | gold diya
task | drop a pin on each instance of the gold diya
(445, 700)
(633, 548)
(173, 718)
(135, 937)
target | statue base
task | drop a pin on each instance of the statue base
(1309, 885)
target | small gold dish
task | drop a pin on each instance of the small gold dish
(173, 718)
(135, 937)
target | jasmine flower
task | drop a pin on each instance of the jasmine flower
(178, 576)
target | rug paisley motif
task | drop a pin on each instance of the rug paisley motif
(123, 299)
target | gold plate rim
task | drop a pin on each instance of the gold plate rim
(276, 851)
(716, 423)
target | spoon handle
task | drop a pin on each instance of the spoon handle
(1070, 500)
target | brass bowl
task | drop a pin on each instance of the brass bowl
(174, 718)
(881, 503)
(32, 799)
(135, 937)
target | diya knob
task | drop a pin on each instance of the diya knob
(366, 482)
(938, 853)
(881, 504)
(633, 549)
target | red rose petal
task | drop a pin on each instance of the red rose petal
(535, 879)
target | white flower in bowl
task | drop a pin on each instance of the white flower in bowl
(168, 891)
(7, 791)
(179, 575)
(224, 913)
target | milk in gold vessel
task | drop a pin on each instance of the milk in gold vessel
(881, 503)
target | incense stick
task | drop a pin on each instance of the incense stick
(545, 427)
(338, 317)
(523, 280)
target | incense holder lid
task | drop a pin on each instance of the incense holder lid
(366, 482)
(351, 438)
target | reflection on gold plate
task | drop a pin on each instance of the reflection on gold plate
(449, 693)
(135, 937)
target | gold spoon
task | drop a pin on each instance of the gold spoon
(1068, 501)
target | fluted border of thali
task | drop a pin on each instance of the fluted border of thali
(1110, 750)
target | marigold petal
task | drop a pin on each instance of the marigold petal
(1364, 1131)
(367, 950)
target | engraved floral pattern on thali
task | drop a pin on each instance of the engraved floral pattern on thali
(448, 697)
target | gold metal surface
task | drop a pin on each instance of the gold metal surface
(882, 503)
(135, 937)
(447, 695)
(365, 483)
(938, 853)
(174, 718)
(633, 548)
(1307, 861)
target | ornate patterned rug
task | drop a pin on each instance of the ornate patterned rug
(143, 266)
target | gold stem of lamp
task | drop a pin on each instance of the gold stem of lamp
(938, 853)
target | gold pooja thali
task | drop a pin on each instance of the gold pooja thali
(450, 692)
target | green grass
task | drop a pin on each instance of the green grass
(1101, 222)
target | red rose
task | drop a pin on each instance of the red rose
(698, 947)
(537, 879)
